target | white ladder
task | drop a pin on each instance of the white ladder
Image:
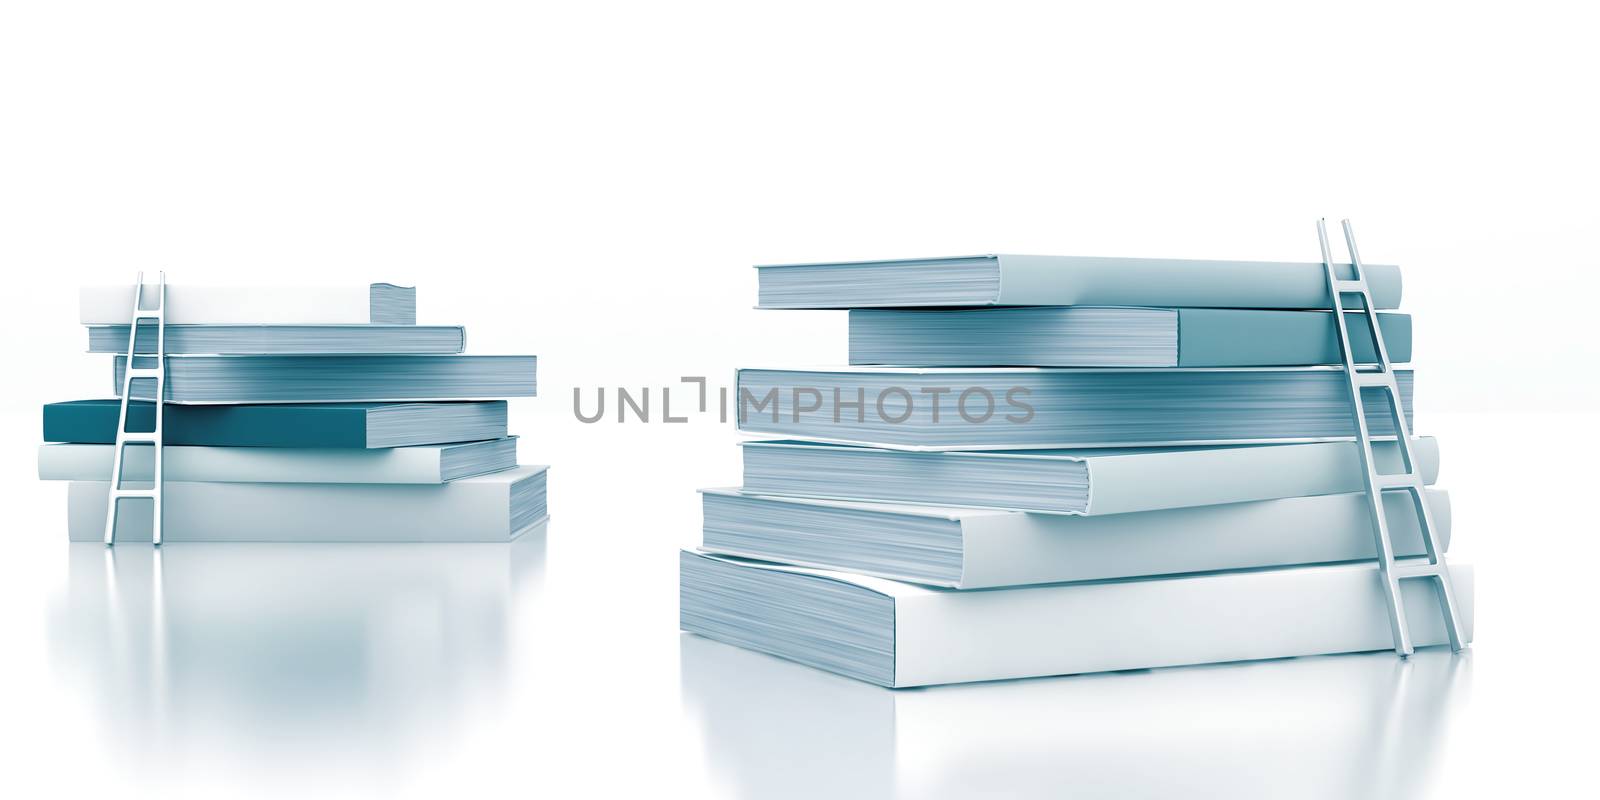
(1380, 376)
(152, 438)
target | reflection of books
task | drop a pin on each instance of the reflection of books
(1000, 408)
(416, 464)
(338, 379)
(497, 507)
(321, 425)
(299, 650)
(900, 634)
(1335, 727)
(1079, 336)
(984, 548)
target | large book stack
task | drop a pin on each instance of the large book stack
(1042, 466)
(299, 414)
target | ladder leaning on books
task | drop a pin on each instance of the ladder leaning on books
(131, 372)
(1379, 376)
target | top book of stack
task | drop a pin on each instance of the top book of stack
(1018, 280)
(343, 344)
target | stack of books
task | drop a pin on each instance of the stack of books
(1045, 465)
(303, 415)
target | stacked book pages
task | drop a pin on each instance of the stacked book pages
(298, 414)
(1045, 465)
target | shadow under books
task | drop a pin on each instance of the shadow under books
(290, 649)
(1366, 725)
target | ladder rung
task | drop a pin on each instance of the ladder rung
(119, 493)
(1350, 287)
(144, 372)
(137, 438)
(1420, 570)
(1377, 378)
(149, 313)
(1398, 480)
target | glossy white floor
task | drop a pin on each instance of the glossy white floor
(554, 664)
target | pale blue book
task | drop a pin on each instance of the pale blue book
(1094, 336)
(431, 463)
(1095, 481)
(899, 634)
(202, 379)
(1020, 280)
(973, 548)
(283, 339)
(907, 408)
(497, 507)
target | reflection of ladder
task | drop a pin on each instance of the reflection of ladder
(1379, 377)
(133, 371)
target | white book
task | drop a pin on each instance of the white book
(416, 464)
(378, 303)
(985, 548)
(1081, 481)
(488, 508)
(900, 634)
(1020, 280)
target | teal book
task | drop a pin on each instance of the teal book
(1095, 336)
(1020, 280)
(319, 425)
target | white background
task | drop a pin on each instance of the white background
(590, 182)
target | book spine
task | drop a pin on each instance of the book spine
(1214, 337)
(1067, 281)
(1020, 549)
(1174, 479)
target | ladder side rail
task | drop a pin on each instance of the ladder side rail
(160, 403)
(1383, 543)
(1381, 349)
(122, 416)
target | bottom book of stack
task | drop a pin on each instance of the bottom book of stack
(496, 507)
(900, 634)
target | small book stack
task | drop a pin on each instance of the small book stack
(1044, 466)
(299, 415)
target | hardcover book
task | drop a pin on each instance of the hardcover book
(1017, 280)
(1041, 408)
(283, 339)
(377, 304)
(412, 464)
(900, 634)
(985, 548)
(488, 508)
(1091, 336)
(202, 379)
(1083, 481)
(284, 425)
